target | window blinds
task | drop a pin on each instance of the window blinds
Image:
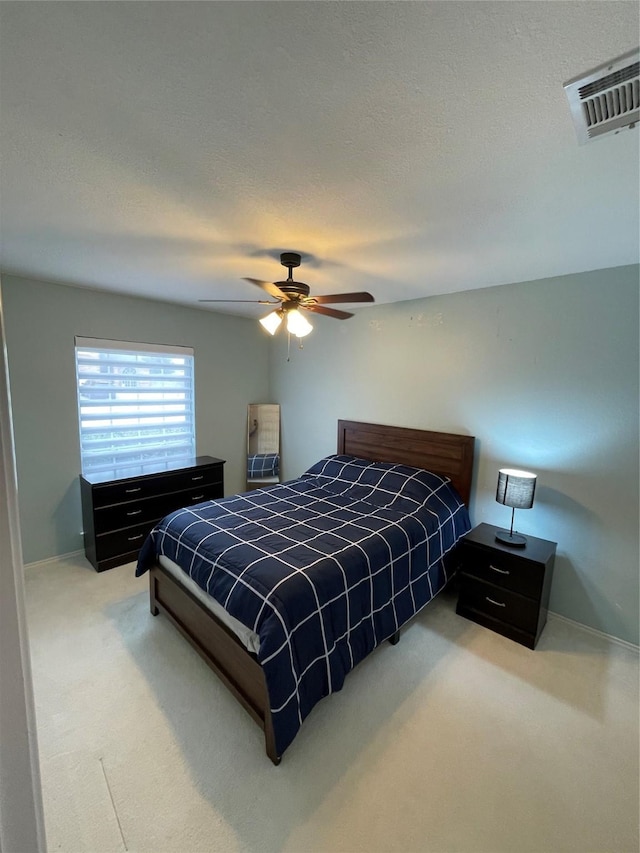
(135, 404)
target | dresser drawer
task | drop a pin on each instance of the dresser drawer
(116, 516)
(192, 479)
(134, 490)
(122, 541)
(509, 571)
(498, 603)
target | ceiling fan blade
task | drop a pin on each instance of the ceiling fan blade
(328, 312)
(270, 287)
(254, 301)
(344, 297)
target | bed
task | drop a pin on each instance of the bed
(319, 570)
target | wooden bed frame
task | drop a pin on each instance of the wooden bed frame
(443, 453)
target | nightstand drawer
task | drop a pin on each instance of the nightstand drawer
(499, 603)
(509, 571)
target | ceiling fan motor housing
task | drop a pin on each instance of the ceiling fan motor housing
(294, 288)
(290, 259)
(292, 295)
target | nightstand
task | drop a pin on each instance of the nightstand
(503, 588)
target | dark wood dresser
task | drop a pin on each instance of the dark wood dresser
(503, 588)
(120, 507)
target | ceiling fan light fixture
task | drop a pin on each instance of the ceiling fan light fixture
(292, 295)
(271, 322)
(297, 324)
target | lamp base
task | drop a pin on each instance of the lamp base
(514, 540)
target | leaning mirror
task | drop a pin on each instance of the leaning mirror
(263, 445)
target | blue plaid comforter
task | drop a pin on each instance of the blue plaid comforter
(263, 465)
(323, 568)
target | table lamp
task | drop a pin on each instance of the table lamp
(515, 489)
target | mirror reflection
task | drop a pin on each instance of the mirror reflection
(263, 444)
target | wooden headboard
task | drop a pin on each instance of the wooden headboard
(444, 453)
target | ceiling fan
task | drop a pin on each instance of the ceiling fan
(290, 296)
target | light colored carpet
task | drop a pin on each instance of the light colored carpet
(454, 740)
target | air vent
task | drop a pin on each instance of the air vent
(607, 98)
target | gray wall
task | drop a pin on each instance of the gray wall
(544, 374)
(21, 811)
(41, 320)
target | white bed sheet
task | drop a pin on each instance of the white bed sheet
(249, 639)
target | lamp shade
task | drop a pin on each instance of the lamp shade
(272, 321)
(516, 488)
(297, 324)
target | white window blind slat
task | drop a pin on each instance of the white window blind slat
(135, 404)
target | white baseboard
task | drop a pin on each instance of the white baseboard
(625, 643)
(68, 556)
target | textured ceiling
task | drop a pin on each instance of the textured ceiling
(168, 149)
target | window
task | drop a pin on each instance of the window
(135, 404)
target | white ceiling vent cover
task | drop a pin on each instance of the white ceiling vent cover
(607, 98)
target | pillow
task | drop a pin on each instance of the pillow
(379, 482)
(263, 465)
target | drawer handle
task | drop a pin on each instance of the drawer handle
(135, 512)
(197, 497)
(501, 571)
(131, 491)
(133, 538)
(497, 603)
(201, 477)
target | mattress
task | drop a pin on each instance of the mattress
(249, 639)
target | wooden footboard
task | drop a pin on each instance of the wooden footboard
(218, 646)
